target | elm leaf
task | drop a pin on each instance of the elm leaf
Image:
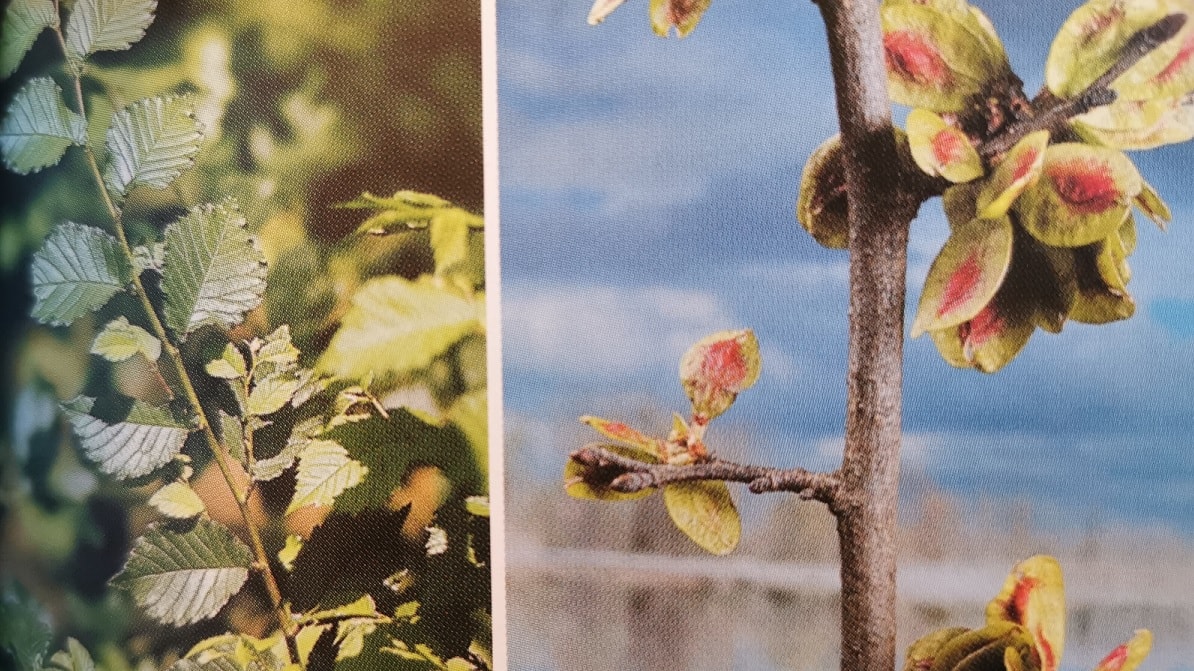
(74, 658)
(624, 434)
(77, 270)
(147, 439)
(1094, 37)
(1083, 195)
(213, 272)
(941, 149)
(821, 207)
(704, 511)
(324, 471)
(150, 143)
(396, 325)
(683, 15)
(1033, 596)
(106, 25)
(23, 22)
(966, 274)
(1128, 656)
(38, 127)
(717, 368)
(181, 578)
(1138, 124)
(230, 365)
(1020, 168)
(119, 341)
(271, 393)
(177, 500)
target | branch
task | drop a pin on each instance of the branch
(635, 476)
(219, 452)
(1055, 112)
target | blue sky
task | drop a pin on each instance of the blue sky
(648, 189)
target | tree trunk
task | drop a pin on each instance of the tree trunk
(880, 212)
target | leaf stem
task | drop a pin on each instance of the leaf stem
(219, 452)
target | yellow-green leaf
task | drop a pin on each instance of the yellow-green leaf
(119, 340)
(324, 471)
(177, 500)
(1093, 38)
(624, 434)
(965, 275)
(230, 365)
(1129, 655)
(271, 393)
(924, 650)
(1020, 168)
(717, 368)
(821, 207)
(24, 20)
(941, 149)
(290, 551)
(704, 511)
(1083, 195)
(683, 15)
(1149, 202)
(1033, 596)
(1138, 124)
(992, 338)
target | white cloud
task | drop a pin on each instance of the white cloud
(915, 448)
(600, 331)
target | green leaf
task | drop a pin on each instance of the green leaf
(119, 341)
(1033, 596)
(941, 149)
(1095, 301)
(232, 435)
(1149, 202)
(1138, 124)
(23, 22)
(74, 658)
(180, 578)
(106, 25)
(396, 325)
(24, 634)
(821, 207)
(964, 277)
(1020, 168)
(230, 365)
(177, 500)
(271, 393)
(477, 505)
(585, 482)
(995, 335)
(921, 653)
(625, 434)
(449, 238)
(77, 270)
(213, 273)
(276, 348)
(150, 143)
(704, 511)
(938, 58)
(1083, 195)
(146, 440)
(719, 367)
(324, 471)
(149, 257)
(37, 127)
(470, 413)
(683, 15)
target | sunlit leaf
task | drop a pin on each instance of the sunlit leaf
(477, 505)
(106, 25)
(150, 143)
(1034, 597)
(704, 511)
(396, 325)
(602, 9)
(147, 439)
(937, 59)
(449, 239)
(717, 368)
(941, 149)
(470, 413)
(23, 22)
(1129, 655)
(289, 551)
(1083, 195)
(119, 340)
(324, 471)
(272, 393)
(585, 482)
(1149, 202)
(38, 127)
(180, 578)
(1168, 70)
(683, 15)
(624, 434)
(213, 273)
(1093, 38)
(75, 272)
(177, 500)
(230, 365)
(1138, 124)
(276, 348)
(821, 208)
(1020, 168)
(964, 277)
(924, 650)
(74, 658)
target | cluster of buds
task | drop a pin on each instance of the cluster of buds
(1038, 193)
